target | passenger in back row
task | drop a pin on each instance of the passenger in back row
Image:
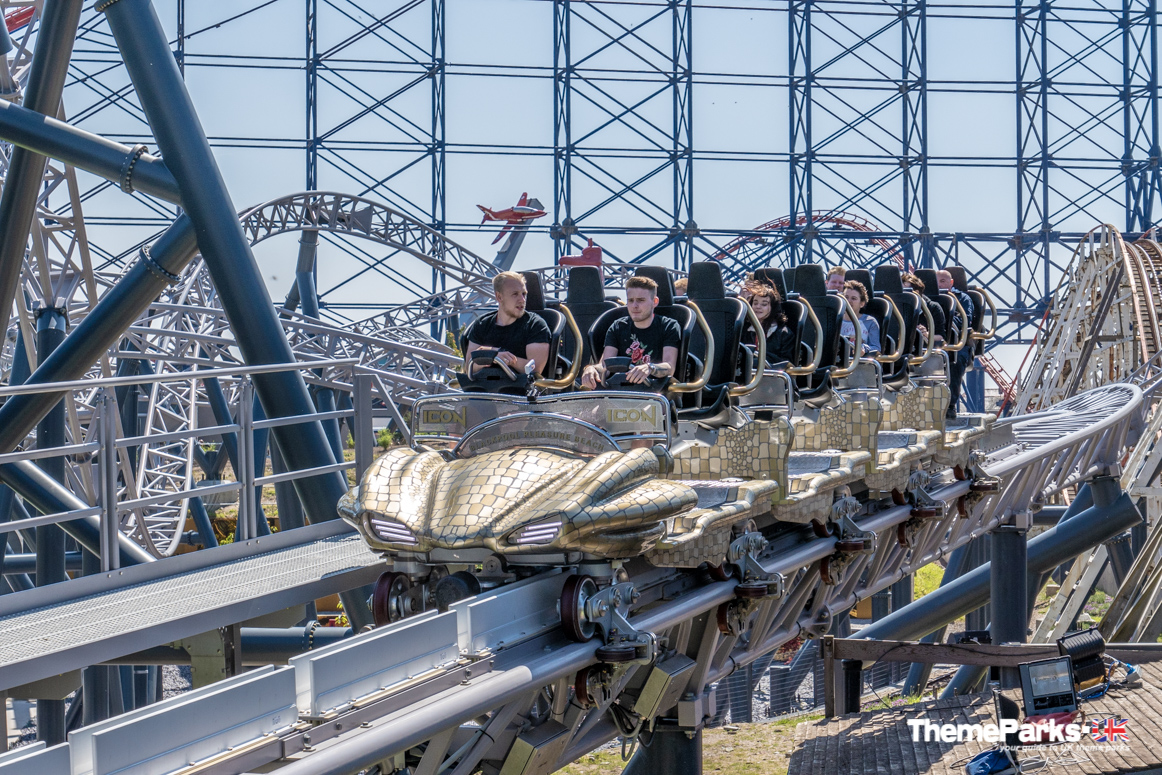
(650, 341)
(856, 296)
(962, 360)
(835, 278)
(768, 308)
(519, 335)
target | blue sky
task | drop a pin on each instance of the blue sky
(499, 113)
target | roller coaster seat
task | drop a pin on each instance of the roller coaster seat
(725, 317)
(585, 298)
(947, 305)
(557, 364)
(960, 282)
(772, 276)
(811, 285)
(887, 281)
(877, 306)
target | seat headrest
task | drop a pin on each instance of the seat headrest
(959, 277)
(536, 298)
(772, 276)
(789, 279)
(705, 281)
(863, 277)
(888, 279)
(810, 280)
(931, 284)
(661, 276)
(586, 286)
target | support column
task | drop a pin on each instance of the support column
(50, 539)
(1009, 579)
(178, 131)
(25, 174)
(673, 751)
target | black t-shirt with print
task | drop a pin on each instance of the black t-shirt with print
(525, 330)
(643, 345)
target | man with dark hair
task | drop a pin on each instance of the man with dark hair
(519, 335)
(650, 341)
(962, 360)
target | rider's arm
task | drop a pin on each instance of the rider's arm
(538, 353)
(472, 346)
(668, 365)
(593, 374)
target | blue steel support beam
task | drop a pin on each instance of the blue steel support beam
(1112, 513)
(799, 89)
(919, 672)
(25, 174)
(260, 337)
(312, 72)
(685, 228)
(130, 168)
(1142, 152)
(178, 131)
(102, 327)
(672, 751)
(563, 227)
(50, 539)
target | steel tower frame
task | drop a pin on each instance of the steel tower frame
(625, 80)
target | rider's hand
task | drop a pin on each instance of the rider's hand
(638, 374)
(589, 378)
(507, 358)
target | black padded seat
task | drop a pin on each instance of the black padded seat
(535, 304)
(725, 318)
(887, 281)
(789, 279)
(943, 300)
(877, 306)
(585, 298)
(811, 285)
(960, 282)
(772, 276)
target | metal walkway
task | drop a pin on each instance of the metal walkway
(50, 630)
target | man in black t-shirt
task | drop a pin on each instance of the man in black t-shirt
(650, 341)
(521, 336)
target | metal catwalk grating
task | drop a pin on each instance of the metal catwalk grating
(75, 623)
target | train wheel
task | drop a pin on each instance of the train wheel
(723, 572)
(822, 529)
(454, 588)
(617, 654)
(389, 601)
(924, 512)
(825, 571)
(578, 589)
(902, 536)
(752, 590)
(581, 688)
(849, 546)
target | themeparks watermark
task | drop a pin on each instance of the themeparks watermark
(1107, 733)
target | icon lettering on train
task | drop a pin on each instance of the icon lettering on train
(646, 414)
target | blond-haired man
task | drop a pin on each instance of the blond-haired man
(518, 334)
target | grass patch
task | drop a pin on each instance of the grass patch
(927, 579)
(750, 749)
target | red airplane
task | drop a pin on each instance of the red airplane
(513, 216)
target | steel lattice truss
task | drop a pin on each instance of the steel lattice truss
(871, 99)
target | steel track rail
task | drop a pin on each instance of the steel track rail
(506, 662)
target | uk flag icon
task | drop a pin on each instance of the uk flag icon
(1109, 730)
